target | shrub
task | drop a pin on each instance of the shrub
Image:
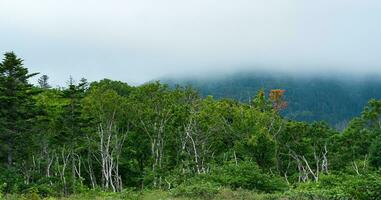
(341, 186)
(246, 175)
(199, 189)
(227, 194)
(11, 180)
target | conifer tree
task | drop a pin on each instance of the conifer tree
(16, 104)
(43, 82)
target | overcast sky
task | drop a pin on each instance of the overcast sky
(136, 41)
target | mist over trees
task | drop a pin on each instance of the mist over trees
(109, 136)
(335, 99)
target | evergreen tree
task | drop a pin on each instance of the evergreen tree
(43, 82)
(16, 103)
(71, 117)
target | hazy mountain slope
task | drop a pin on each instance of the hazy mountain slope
(330, 99)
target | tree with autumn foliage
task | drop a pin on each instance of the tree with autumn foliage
(278, 99)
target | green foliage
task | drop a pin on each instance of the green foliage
(201, 189)
(245, 175)
(11, 180)
(263, 149)
(109, 140)
(372, 113)
(309, 98)
(260, 102)
(17, 107)
(375, 153)
(227, 194)
(341, 186)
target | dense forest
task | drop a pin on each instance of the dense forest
(331, 98)
(117, 141)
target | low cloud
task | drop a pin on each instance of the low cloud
(136, 41)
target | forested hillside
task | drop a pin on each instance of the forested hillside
(333, 99)
(110, 140)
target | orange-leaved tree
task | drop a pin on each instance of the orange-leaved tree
(277, 99)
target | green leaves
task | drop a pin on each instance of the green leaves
(372, 113)
(375, 153)
(109, 135)
(17, 107)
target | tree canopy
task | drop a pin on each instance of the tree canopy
(108, 135)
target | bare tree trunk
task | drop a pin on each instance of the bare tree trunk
(235, 158)
(324, 164)
(157, 145)
(90, 171)
(354, 166)
(77, 163)
(110, 147)
(10, 153)
(61, 170)
(50, 162)
(314, 174)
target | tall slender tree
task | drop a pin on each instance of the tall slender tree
(43, 82)
(16, 103)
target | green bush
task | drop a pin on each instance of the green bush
(246, 175)
(199, 189)
(228, 194)
(11, 180)
(364, 187)
(343, 186)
